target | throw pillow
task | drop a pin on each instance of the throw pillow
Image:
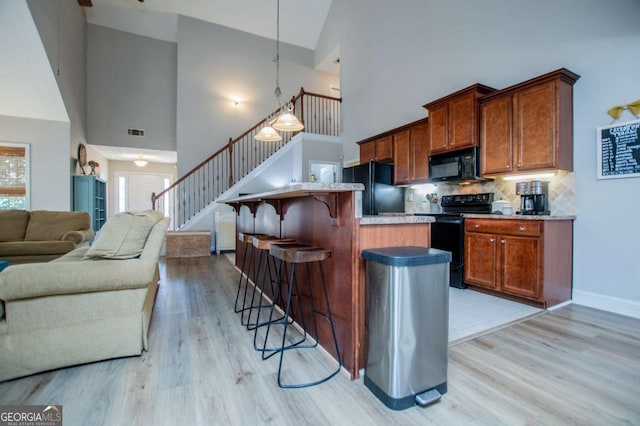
(124, 236)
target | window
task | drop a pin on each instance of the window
(14, 176)
(122, 194)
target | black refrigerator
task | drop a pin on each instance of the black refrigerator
(379, 195)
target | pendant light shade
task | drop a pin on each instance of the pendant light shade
(267, 134)
(287, 122)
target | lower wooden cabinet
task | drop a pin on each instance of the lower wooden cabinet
(530, 259)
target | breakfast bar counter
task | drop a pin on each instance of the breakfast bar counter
(327, 215)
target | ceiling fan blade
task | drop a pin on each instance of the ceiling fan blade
(85, 3)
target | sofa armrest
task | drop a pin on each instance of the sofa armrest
(78, 237)
(54, 278)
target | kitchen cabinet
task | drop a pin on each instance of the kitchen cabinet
(528, 127)
(402, 157)
(380, 150)
(89, 195)
(528, 259)
(411, 154)
(453, 120)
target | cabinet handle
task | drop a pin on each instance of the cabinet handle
(521, 228)
(476, 226)
(508, 167)
(492, 240)
(519, 164)
(501, 241)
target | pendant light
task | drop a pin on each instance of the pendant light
(140, 161)
(285, 121)
(268, 134)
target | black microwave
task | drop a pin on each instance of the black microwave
(456, 166)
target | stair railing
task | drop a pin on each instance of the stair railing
(203, 184)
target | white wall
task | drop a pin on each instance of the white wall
(62, 28)
(216, 64)
(28, 87)
(32, 110)
(50, 182)
(131, 83)
(402, 55)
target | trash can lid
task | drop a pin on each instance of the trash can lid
(406, 256)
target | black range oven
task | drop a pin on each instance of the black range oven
(447, 232)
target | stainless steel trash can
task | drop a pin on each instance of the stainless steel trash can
(407, 292)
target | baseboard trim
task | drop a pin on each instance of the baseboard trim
(616, 305)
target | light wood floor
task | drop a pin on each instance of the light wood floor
(572, 366)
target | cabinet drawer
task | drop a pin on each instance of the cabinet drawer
(530, 228)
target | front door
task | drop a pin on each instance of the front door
(133, 190)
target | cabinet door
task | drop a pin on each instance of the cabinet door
(367, 152)
(401, 158)
(438, 128)
(536, 127)
(384, 149)
(480, 259)
(419, 153)
(496, 136)
(462, 121)
(520, 266)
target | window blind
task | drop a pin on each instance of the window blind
(13, 167)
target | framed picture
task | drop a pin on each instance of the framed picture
(619, 150)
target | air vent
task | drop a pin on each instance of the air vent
(135, 132)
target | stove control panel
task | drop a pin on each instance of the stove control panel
(461, 200)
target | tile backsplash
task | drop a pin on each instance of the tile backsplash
(562, 194)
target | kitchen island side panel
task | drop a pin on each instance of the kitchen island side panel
(308, 221)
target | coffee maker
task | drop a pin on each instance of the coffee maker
(534, 197)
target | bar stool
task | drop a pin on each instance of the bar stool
(269, 352)
(307, 256)
(262, 243)
(247, 239)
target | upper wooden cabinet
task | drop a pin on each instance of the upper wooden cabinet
(411, 153)
(453, 120)
(529, 126)
(401, 157)
(419, 152)
(380, 150)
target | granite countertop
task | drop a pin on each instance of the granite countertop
(395, 219)
(301, 189)
(517, 217)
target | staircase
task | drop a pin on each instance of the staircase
(199, 189)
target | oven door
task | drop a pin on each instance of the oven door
(447, 233)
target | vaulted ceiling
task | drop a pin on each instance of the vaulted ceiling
(301, 21)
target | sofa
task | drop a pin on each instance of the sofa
(41, 235)
(93, 303)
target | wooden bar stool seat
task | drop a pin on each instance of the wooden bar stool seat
(300, 254)
(305, 255)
